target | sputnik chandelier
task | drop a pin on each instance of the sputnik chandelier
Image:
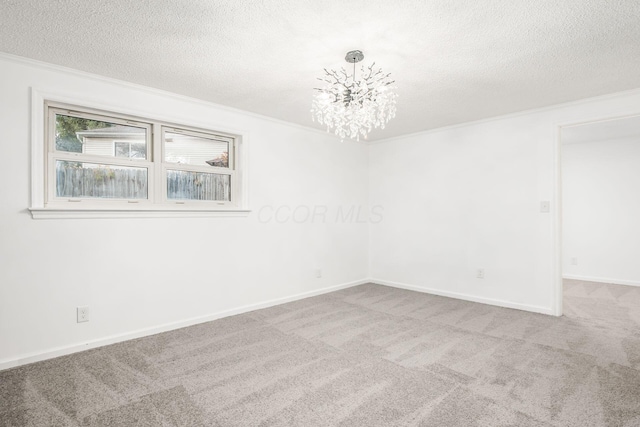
(352, 108)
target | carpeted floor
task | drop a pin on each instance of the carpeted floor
(365, 356)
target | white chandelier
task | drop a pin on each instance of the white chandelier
(354, 107)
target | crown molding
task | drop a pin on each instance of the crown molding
(151, 90)
(539, 110)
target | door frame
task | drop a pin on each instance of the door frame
(557, 200)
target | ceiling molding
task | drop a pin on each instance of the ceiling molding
(151, 90)
(614, 95)
(453, 62)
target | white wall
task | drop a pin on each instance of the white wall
(452, 200)
(137, 274)
(468, 197)
(601, 210)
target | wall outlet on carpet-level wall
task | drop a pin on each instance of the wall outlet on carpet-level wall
(83, 314)
(480, 273)
(574, 261)
(318, 273)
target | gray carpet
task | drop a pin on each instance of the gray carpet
(365, 356)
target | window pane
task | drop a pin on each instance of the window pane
(75, 134)
(184, 185)
(131, 150)
(79, 179)
(194, 150)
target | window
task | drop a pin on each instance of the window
(197, 165)
(84, 164)
(130, 149)
(104, 161)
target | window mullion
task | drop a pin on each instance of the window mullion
(197, 168)
(87, 158)
(158, 159)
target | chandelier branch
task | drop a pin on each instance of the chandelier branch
(351, 106)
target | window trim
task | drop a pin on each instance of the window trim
(43, 206)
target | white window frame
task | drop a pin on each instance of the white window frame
(45, 205)
(231, 170)
(53, 155)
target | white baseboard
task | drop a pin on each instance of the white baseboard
(602, 280)
(100, 342)
(466, 297)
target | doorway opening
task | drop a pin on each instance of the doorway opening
(599, 222)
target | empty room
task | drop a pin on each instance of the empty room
(294, 213)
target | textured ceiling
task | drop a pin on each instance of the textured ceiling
(454, 61)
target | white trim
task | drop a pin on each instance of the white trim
(143, 115)
(557, 294)
(58, 68)
(52, 213)
(122, 83)
(100, 342)
(510, 115)
(465, 297)
(605, 139)
(39, 152)
(602, 280)
(241, 157)
(557, 288)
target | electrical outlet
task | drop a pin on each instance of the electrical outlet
(83, 314)
(480, 273)
(574, 261)
(318, 273)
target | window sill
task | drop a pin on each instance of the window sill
(57, 213)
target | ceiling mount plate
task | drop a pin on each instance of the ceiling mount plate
(354, 56)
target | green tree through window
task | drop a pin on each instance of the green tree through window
(66, 128)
